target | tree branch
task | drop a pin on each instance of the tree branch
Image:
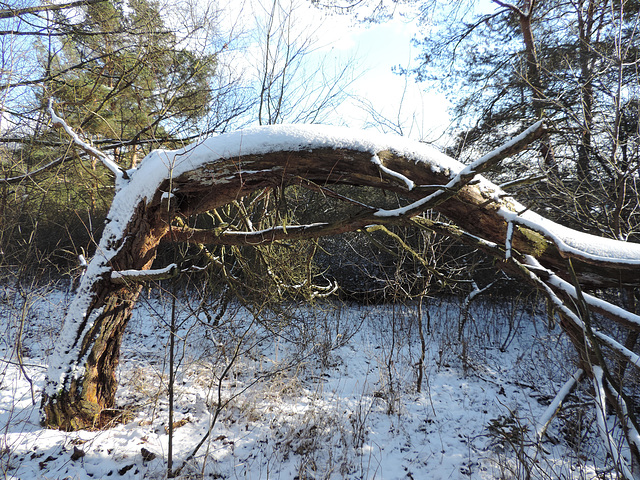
(467, 174)
(556, 404)
(509, 6)
(10, 13)
(127, 277)
(29, 175)
(118, 171)
(270, 235)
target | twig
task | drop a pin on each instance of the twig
(22, 364)
(522, 181)
(29, 175)
(118, 171)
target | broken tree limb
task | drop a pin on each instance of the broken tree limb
(467, 174)
(554, 407)
(167, 185)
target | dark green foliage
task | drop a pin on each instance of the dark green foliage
(126, 83)
(138, 85)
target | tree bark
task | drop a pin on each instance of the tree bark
(89, 401)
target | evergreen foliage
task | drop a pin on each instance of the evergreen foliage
(126, 81)
(137, 83)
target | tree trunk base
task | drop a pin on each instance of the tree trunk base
(68, 411)
(88, 402)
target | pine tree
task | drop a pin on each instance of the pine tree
(571, 62)
(138, 84)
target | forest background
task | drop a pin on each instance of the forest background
(133, 77)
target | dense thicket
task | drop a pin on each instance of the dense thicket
(126, 80)
(129, 77)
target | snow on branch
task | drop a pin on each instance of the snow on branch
(128, 276)
(631, 432)
(618, 348)
(602, 306)
(317, 291)
(508, 240)
(554, 406)
(124, 277)
(108, 162)
(572, 243)
(601, 414)
(469, 172)
(408, 182)
(606, 340)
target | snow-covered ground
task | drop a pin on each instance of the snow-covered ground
(324, 392)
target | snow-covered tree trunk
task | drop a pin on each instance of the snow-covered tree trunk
(80, 387)
(86, 399)
(87, 352)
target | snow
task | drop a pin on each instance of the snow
(587, 246)
(603, 427)
(376, 161)
(592, 301)
(508, 240)
(143, 273)
(333, 412)
(162, 164)
(557, 402)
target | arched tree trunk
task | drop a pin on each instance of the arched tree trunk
(80, 387)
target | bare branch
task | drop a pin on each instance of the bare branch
(30, 175)
(261, 237)
(467, 174)
(610, 443)
(10, 13)
(118, 171)
(509, 6)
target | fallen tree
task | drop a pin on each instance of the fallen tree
(173, 185)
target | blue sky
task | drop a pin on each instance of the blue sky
(419, 107)
(376, 48)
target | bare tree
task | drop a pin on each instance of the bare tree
(296, 81)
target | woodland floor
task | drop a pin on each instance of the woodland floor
(322, 392)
